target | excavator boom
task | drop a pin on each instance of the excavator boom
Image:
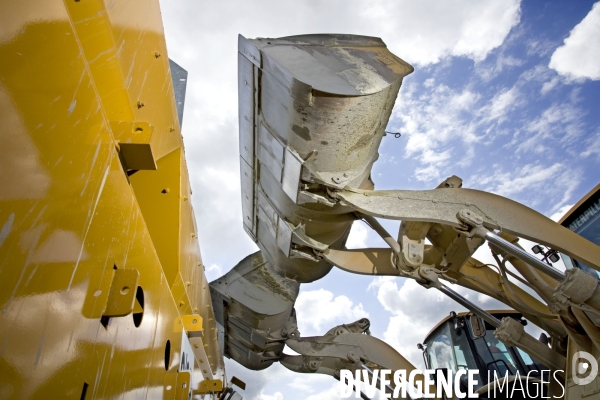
(313, 110)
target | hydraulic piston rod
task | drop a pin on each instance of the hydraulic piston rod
(487, 317)
(523, 255)
(383, 233)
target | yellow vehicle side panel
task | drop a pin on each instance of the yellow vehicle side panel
(69, 214)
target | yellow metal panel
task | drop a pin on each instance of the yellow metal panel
(192, 274)
(139, 37)
(94, 31)
(190, 250)
(158, 195)
(181, 298)
(68, 214)
(127, 56)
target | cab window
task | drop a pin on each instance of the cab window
(496, 356)
(462, 351)
(585, 222)
(439, 350)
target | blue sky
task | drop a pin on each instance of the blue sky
(508, 124)
(505, 94)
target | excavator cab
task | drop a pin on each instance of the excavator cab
(584, 219)
(465, 342)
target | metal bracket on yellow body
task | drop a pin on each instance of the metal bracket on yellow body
(177, 386)
(209, 386)
(112, 293)
(121, 296)
(134, 143)
(192, 325)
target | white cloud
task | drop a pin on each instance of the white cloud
(318, 311)
(358, 236)
(561, 122)
(275, 396)
(592, 145)
(428, 173)
(427, 31)
(378, 281)
(578, 57)
(300, 383)
(541, 74)
(443, 125)
(333, 393)
(417, 310)
(532, 183)
(549, 85)
(539, 46)
(530, 177)
(308, 386)
(503, 102)
(213, 271)
(489, 70)
(561, 211)
(448, 127)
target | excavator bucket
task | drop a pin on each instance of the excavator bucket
(313, 110)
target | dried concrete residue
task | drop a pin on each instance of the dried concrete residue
(265, 277)
(364, 141)
(303, 132)
(362, 76)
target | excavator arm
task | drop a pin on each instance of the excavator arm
(313, 111)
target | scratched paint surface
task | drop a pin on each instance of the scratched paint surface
(69, 214)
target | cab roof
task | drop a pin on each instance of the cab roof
(584, 203)
(462, 314)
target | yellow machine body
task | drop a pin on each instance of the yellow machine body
(103, 289)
